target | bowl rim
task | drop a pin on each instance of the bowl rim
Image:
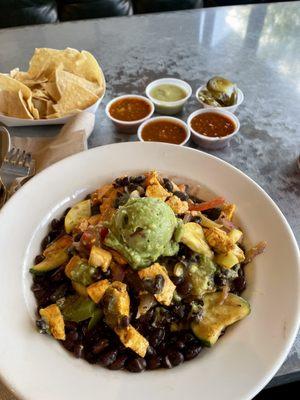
(215, 110)
(175, 81)
(169, 118)
(240, 99)
(130, 96)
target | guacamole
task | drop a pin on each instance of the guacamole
(142, 230)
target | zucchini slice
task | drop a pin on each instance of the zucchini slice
(52, 261)
(218, 314)
(75, 215)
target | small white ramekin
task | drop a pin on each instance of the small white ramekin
(240, 99)
(166, 118)
(213, 143)
(128, 126)
(169, 107)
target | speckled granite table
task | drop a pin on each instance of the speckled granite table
(258, 46)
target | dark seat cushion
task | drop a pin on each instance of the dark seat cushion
(84, 9)
(147, 6)
(27, 12)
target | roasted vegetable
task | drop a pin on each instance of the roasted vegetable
(207, 205)
(218, 313)
(116, 303)
(76, 308)
(52, 261)
(62, 243)
(192, 235)
(165, 295)
(76, 214)
(201, 276)
(132, 339)
(78, 270)
(52, 316)
(100, 258)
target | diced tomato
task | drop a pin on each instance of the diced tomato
(103, 233)
(206, 205)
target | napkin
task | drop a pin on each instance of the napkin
(71, 139)
(46, 151)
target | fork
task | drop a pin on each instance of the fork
(16, 164)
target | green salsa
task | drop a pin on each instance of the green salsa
(168, 92)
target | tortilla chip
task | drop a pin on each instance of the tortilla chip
(74, 97)
(83, 64)
(13, 104)
(64, 78)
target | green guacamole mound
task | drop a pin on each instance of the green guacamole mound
(142, 231)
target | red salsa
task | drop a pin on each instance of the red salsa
(130, 109)
(164, 131)
(213, 124)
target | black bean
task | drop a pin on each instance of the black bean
(154, 286)
(119, 363)
(196, 199)
(181, 195)
(87, 197)
(58, 275)
(72, 336)
(124, 322)
(39, 259)
(137, 179)
(179, 344)
(108, 357)
(70, 326)
(156, 336)
(213, 213)
(239, 284)
(59, 292)
(107, 273)
(159, 282)
(177, 280)
(136, 364)
(54, 234)
(150, 351)
(120, 182)
(179, 310)
(45, 242)
(101, 345)
(95, 210)
(56, 224)
(77, 237)
(154, 362)
(188, 337)
(184, 288)
(98, 275)
(68, 344)
(66, 211)
(146, 318)
(131, 187)
(78, 351)
(192, 350)
(41, 325)
(168, 185)
(197, 220)
(172, 359)
(220, 280)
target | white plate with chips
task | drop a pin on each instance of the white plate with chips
(57, 85)
(36, 367)
(12, 121)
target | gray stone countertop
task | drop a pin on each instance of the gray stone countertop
(257, 46)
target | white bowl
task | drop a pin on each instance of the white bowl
(240, 99)
(128, 126)
(213, 143)
(36, 367)
(169, 107)
(172, 119)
